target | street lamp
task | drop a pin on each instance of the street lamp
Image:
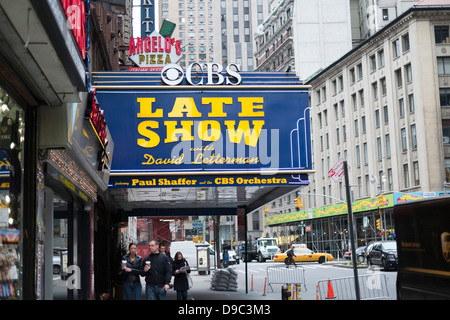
(380, 184)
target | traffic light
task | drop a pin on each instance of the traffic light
(378, 224)
(266, 209)
(298, 203)
(381, 200)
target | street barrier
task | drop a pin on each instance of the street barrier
(284, 275)
(372, 287)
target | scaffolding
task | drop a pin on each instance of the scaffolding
(331, 235)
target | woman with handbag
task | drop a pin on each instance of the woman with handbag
(180, 271)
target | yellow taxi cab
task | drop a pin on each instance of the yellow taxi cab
(304, 255)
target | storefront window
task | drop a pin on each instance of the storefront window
(11, 165)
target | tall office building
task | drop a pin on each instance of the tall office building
(373, 15)
(215, 31)
(304, 36)
(384, 108)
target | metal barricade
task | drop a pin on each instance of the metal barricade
(286, 275)
(371, 286)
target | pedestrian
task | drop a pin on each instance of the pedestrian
(290, 257)
(131, 268)
(165, 250)
(226, 258)
(157, 272)
(180, 271)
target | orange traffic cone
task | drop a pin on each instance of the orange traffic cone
(330, 294)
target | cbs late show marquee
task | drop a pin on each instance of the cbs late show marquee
(206, 125)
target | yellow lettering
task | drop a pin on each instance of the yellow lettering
(213, 135)
(247, 107)
(153, 137)
(217, 106)
(186, 105)
(172, 131)
(146, 109)
(251, 136)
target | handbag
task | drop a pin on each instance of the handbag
(190, 282)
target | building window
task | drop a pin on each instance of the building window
(390, 179)
(379, 149)
(354, 103)
(360, 71)
(396, 48)
(405, 42)
(398, 77)
(383, 86)
(416, 173)
(401, 107)
(361, 97)
(386, 114)
(408, 71)
(411, 102)
(444, 95)
(406, 175)
(358, 157)
(373, 63)
(413, 137)
(387, 140)
(375, 90)
(385, 13)
(441, 34)
(377, 118)
(381, 58)
(443, 64)
(366, 155)
(446, 131)
(403, 137)
(352, 75)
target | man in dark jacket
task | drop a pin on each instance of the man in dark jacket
(157, 272)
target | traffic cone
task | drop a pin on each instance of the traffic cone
(265, 282)
(317, 292)
(330, 294)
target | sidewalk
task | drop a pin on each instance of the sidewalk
(201, 290)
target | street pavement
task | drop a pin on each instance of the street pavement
(201, 290)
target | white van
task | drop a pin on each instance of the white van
(189, 251)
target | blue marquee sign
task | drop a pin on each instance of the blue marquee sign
(249, 127)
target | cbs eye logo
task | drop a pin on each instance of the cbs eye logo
(172, 74)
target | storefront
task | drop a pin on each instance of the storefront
(12, 135)
(55, 148)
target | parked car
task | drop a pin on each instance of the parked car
(233, 257)
(360, 254)
(57, 260)
(304, 255)
(383, 253)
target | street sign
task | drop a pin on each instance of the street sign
(337, 171)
